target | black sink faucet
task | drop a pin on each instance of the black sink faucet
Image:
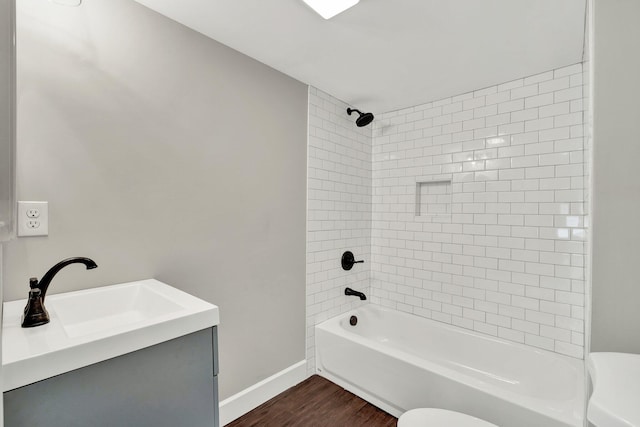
(35, 314)
(44, 283)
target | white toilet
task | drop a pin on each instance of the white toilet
(432, 417)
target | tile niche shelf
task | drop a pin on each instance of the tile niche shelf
(433, 200)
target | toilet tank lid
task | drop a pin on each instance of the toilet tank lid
(434, 417)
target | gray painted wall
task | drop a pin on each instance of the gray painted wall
(7, 185)
(165, 154)
(7, 66)
(616, 228)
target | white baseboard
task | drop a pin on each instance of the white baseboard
(250, 398)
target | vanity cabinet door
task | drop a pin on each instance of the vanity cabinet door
(7, 119)
(167, 385)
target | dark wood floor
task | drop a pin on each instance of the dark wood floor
(316, 402)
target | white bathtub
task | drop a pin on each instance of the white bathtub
(398, 362)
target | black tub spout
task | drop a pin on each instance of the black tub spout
(351, 292)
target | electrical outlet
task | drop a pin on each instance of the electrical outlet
(33, 223)
(33, 213)
(33, 219)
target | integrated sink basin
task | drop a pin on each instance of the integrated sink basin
(93, 325)
(103, 309)
(615, 401)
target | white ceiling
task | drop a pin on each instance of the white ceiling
(382, 55)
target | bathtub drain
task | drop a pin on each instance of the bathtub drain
(353, 320)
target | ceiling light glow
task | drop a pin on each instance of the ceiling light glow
(330, 8)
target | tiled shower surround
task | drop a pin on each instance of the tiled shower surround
(469, 210)
(338, 211)
(479, 210)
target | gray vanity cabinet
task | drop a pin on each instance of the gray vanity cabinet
(172, 384)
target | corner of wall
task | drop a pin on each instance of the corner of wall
(338, 211)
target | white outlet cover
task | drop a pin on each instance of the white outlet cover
(26, 223)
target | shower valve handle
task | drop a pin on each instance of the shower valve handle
(348, 260)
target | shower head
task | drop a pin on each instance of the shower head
(363, 120)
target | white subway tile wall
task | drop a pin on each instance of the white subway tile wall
(338, 211)
(508, 259)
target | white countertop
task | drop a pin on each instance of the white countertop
(93, 325)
